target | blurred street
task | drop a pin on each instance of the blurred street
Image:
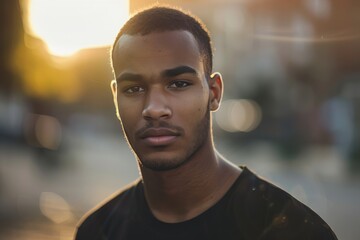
(46, 203)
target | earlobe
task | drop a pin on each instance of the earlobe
(216, 90)
(113, 86)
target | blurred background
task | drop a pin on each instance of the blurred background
(291, 108)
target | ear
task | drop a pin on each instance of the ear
(113, 86)
(216, 90)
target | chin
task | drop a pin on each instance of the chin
(164, 164)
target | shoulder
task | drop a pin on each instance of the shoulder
(274, 213)
(94, 223)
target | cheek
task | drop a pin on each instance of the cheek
(197, 103)
(192, 111)
(128, 116)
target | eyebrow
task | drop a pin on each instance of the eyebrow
(172, 72)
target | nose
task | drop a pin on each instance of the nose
(156, 106)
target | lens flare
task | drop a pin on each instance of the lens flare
(68, 26)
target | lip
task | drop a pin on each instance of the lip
(159, 136)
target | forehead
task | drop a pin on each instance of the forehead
(158, 50)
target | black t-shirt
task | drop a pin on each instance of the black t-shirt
(252, 209)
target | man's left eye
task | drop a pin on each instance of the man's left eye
(179, 84)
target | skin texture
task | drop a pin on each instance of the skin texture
(163, 99)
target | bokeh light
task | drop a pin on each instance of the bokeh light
(55, 207)
(48, 132)
(239, 115)
(66, 26)
(43, 131)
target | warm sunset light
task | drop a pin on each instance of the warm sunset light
(66, 26)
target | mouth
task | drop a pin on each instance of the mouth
(159, 136)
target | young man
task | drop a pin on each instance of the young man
(163, 93)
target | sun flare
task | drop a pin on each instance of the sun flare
(67, 26)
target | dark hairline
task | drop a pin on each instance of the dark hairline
(205, 47)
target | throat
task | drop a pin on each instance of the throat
(174, 198)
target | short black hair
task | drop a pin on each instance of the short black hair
(164, 18)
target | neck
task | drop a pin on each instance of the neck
(187, 191)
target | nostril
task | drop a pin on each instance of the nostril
(156, 112)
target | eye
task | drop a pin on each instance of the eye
(134, 89)
(179, 84)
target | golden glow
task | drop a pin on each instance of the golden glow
(66, 26)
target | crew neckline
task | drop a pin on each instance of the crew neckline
(153, 222)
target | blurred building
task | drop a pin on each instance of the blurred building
(298, 60)
(294, 58)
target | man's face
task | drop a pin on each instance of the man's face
(163, 97)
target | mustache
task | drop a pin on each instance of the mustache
(159, 124)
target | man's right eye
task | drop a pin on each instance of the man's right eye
(134, 89)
